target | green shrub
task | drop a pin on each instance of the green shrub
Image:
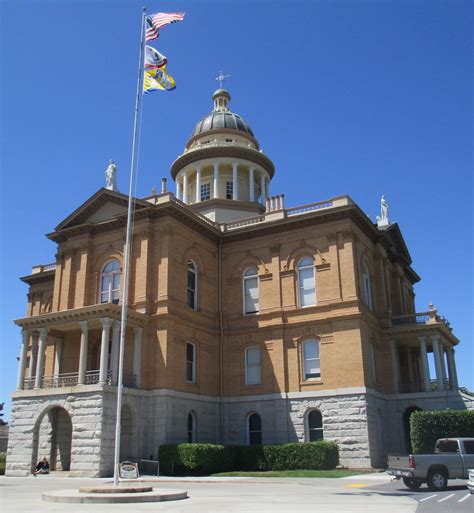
(3, 458)
(428, 426)
(209, 458)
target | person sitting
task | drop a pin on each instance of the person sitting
(42, 467)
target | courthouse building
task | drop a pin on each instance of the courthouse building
(248, 322)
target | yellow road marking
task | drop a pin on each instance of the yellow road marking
(356, 485)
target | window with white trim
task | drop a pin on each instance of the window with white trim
(190, 363)
(306, 282)
(254, 429)
(315, 426)
(253, 366)
(367, 287)
(191, 428)
(110, 282)
(205, 191)
(311, 360)
(250, 283)
(229, 190)
(192, 285)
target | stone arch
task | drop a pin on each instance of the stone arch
(307, 250)
(251, 261)
(406, 425)
(52, 438)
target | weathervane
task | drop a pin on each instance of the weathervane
(221, 78)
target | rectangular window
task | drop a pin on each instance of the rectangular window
(205, 191)
(311, 360)
(253, 368)
(251, 295)
(307, 289)
(190, 363)
(105, 288)
(229, 190)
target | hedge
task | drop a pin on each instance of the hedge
(428, 426)
(3, 458)
(209, 458)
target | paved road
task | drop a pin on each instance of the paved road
(456, 499)
(23, 495)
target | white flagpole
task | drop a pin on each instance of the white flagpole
(126, 264)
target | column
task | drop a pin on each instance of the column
(251, 184)
(198, 184)
(178, 189)
(22, 363)
(235, 181)
(81, 378)
(439, 372)
(185, 187)
(104, 349)
(443, 364)
(137, 356)
(43, 335)
(395, 366)
(263, 188)
(33, 355)
(453, 375)
(425, 368)
(57, 358)
(115, 351)
(216, 180)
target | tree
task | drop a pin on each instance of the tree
(2, 422)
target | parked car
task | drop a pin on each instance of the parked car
(451, 459)
(470, 483)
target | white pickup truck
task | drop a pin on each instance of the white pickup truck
(452, 459)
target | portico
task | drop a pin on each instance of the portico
(89, 333)
(412, 338)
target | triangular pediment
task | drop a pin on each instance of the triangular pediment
(104, 205)
(395, 235)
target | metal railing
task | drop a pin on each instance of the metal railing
(418, 318)
(309, 207)
(242, 222)
(67, 379)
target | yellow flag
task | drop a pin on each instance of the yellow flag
(158, 80)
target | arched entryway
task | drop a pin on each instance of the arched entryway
(126, 435)
(52, 438)
(406, 425)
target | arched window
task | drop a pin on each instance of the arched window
(254, 429)
(253, 366)
(251, 305)
(315, 426)
(311, 360)
(192, 285)
(190, 363)
(110, 282)
(367, 287)
(191, 428)
(306, 283)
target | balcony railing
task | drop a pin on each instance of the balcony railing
(68, 379)
(419, 318)
(309, 207)
(408, 387)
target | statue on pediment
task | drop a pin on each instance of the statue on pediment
(110, 178)
(382, 220)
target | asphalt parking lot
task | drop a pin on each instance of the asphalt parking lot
(456, 499)
(358, 494)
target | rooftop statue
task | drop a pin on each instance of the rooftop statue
(382, 220)
(110, 179)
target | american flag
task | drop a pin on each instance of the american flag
(156, 21)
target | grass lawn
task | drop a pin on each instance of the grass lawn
(296, 473)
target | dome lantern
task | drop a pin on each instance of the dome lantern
(221, 99)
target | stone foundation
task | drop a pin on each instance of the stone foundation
(365, 424)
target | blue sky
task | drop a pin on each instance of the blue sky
(346, 97)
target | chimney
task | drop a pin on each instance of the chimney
(163, 185)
